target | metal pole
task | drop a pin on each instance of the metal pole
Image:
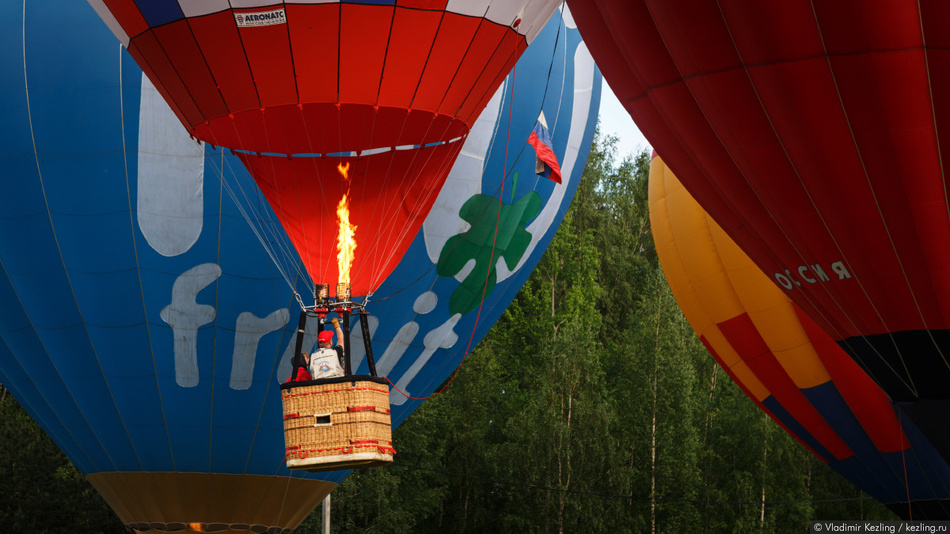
(301, 329)
(367, 342)
(346, 341)
(326, 514)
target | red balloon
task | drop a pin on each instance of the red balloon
(298, 89)
(811, 132)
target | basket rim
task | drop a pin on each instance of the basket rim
(334, 380)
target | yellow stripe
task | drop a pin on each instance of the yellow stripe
(714, 281)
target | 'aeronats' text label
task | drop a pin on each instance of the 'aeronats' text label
(261, 18)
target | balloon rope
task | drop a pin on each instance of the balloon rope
(245, 211)
(900, 417)
(501, 192)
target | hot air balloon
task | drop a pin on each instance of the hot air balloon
(786, 364)
(144, 325)
(810, 131)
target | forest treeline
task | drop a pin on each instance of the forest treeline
(591, 406)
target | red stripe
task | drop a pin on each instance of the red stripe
(448, 50)
(761, 406)
(148, 53)
(268, 53)
(413, 33)
(315, 33)
(869, 404)
(179, 44)
(364, 35)
(486, 40)
(218, 39)
(742, 334)
(128, 16)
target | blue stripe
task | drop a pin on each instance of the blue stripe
(868, 468)
(882, 475)
(158, 12)
(796, 428)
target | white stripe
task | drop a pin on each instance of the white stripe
(374, 151)
(534, 13)
(504, 12)
(474, 8)
(536, 17)
(568, 18)
(196, 8)
(100, 7)
(243, 4)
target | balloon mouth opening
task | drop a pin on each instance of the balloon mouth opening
(325, 130)
(384, 207)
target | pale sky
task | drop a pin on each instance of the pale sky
(615, 120)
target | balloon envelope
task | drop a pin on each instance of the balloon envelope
(786, 364)
(299, 89)
(810, 131)
(144, 325)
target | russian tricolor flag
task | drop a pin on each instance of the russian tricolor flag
(540, 139)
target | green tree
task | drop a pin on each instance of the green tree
(40, 490)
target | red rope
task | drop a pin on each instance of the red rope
(348, 449)
(501, 192)
(333, 391)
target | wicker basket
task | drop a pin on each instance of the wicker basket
(337, 423)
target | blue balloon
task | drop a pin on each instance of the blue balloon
(147, 295)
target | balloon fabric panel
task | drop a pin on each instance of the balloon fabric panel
(363, 52)
(159, 12)
(157, 67)
(269, 56)
(863, 396)
(129, 16)
(177, 41)
(446, 54)
(316, 57)
(743, 335)
(412, 34)
(217, 38)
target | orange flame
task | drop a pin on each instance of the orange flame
(346, 238)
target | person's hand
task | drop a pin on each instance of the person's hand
(336, 322)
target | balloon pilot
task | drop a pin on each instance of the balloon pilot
(327, 361)
(330, 359)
